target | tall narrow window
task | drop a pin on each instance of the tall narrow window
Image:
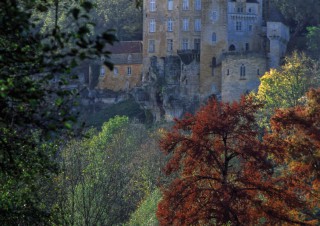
(115, 71)
(151, 47)
(214, 16)
(170, 4)
(169, 45)
(185, 25)
(185, 4)
(197, 43)
(197, 25)
(238, 26)
(213, 64)
(214, 37)
(152, 25)
(152, 5)
(170, 25)
(129, 71)
(102, 71)
(197, 4)
(247, 47)
(242, 72)
(185, 44)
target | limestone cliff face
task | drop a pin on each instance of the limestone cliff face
(171, 87)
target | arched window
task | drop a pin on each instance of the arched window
(242, 72)
(232, 48)
(214, 37)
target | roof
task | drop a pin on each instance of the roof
(125, 47)
(126, 58)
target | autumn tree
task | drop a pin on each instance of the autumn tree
(285, 87)
(297, 132)
(224, 174)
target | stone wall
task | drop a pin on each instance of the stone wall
(234, 82)
(121, 81)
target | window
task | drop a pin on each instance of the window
(185, 25)
(250, 10)
(115, 71)
(250, 27)
(185, 44)
(152, 5)
(185, 4)
(197, 25)
(129, 58)
(170, 25)
(151, 48)
(247, 47)
(258, 72)
(129, 71)
(197, 4)
(232, 48)
(240, 9)
(238, 26)
(197, 43)
(228, 72)
(170, 4)
(152, 25)
(102, 71)
(214, 16)
(242, 72)
(169, 45)
(213, 64)
(214, 38)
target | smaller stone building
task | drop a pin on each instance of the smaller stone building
(126, 74)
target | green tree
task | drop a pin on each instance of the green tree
(121, 15)
(286, 87)
(34, 107)
(302, 13)
(313, 41)
(106, 175)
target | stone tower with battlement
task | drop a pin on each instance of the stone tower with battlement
(210, 47)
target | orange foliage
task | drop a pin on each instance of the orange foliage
(227, 175)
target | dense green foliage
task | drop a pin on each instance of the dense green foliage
(106, 175)
(146, 212)
(34, 107)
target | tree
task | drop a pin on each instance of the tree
(296, 130)
(35, 109)
(225, 174)
(313, 41)
(302, 12)
(106, 175)
(285, 87)
(121, 15)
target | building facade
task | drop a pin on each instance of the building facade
(211, 47)
(126, 74)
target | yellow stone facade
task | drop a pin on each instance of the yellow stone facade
(222, 32)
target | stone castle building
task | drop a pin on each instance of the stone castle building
(194, 49)
(200, 48)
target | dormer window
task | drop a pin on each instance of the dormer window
(129, 58)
